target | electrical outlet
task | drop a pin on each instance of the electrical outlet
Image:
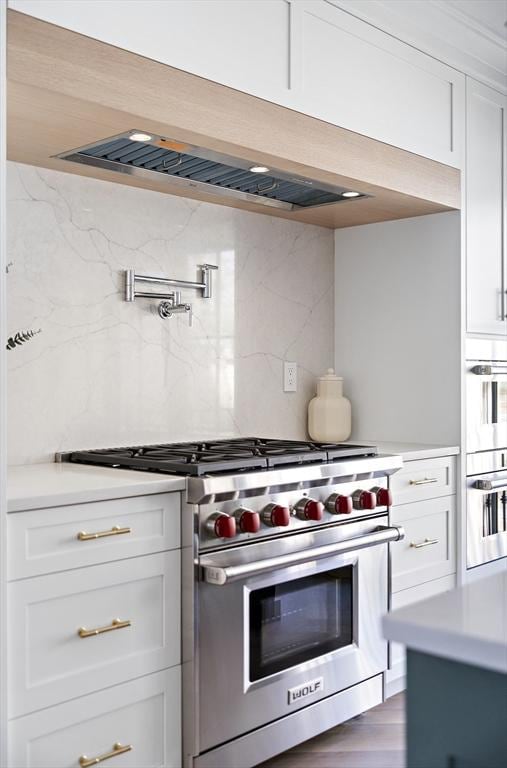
(290, 377)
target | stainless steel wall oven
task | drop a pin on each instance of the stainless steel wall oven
(486, 416)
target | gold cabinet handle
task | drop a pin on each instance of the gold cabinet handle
(424, 481)
(118, 749)
(115, 531)
(115, 624)
(425, 543)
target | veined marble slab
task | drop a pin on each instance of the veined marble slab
(104, 372)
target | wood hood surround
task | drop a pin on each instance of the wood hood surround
(66, 90)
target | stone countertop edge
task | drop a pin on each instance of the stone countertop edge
(467, 624)
(40, 486)
(413, 451)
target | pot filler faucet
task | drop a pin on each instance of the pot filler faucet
(170, 303)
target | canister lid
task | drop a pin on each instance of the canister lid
(330, 376)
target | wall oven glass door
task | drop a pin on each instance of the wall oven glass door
(300, 620)
(486, 518)
(486, 406)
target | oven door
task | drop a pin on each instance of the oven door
(486, 405)
(287, 622)
(486, 518)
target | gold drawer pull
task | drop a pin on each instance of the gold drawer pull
(117, 749)
(425, 543)
(424, 481)
(115, 531)
(115, 624)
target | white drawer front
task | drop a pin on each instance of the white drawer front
(51, 662)
(44, 541)
(145, 714)
(424, 479)
(428, 550)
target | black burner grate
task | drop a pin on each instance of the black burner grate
(214, 456)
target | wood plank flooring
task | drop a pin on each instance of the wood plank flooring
(375, 739)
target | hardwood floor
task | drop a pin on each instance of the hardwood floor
(375, 739)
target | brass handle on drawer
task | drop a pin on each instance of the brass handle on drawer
(115, 624)
(425, 543)
(115, 531)
(424, 481)
(118, 749)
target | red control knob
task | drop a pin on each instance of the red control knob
(276, 515)
(338, 504)
(364, 500)
(383, 495)
(248, 521)
(309, 509)
(222, 526)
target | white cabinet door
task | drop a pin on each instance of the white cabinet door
(485, 210)
(60, 538)
(52, 661)
(360, 78)
(240, 43)
(428, 550)
(144, 714)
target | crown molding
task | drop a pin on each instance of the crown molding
(441, 30)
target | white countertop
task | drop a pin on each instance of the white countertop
(468, 624)
(38, 486)
(413, 451)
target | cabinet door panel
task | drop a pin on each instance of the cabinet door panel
(53, 663)
(48, 540)
(362, 79)
(241, 44)
(145, 714)
(428, 550)
(485, 191)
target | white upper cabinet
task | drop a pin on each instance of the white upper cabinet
(486, 223)
(360, 78)
(242, 44)
(305, 55)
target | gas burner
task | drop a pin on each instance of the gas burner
(209, 457)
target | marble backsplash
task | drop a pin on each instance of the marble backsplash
(106, 372)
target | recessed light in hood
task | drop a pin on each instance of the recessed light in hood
(140, 137)
(137, 153)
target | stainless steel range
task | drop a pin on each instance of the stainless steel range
(285, 579)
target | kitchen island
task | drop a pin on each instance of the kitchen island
(456, 675)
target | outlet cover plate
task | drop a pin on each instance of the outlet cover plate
(290, 377)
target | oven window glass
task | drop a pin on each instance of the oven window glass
(300, 620)
(494, 513)
(494, 402)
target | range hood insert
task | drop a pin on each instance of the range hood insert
(187, 166)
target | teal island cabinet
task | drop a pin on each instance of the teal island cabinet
(456, 676)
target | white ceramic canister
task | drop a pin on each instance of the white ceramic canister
(329, 414)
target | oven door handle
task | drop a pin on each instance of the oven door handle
(489, 370)
(215, 573)
(491, 485)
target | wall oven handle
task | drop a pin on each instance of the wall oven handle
(225, 574)
(489, 370)
(491, 485)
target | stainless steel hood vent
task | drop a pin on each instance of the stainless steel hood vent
(187, 166)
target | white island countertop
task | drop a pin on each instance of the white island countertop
(468, 624)
(39, 486)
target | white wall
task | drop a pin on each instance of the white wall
(105, 372)
(397, 327)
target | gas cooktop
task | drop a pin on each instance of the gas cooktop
(215, 456)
